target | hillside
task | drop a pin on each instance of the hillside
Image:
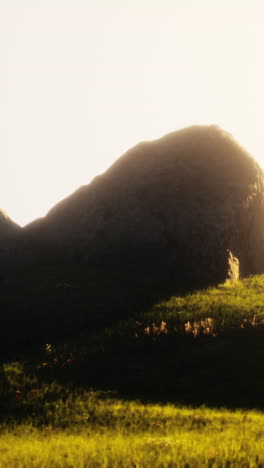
(176, 204)
(112, 376)
(178, 384)
(172, 215)
(212, 337)
(8, 229)
(9, 236)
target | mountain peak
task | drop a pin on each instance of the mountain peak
(7, 225)
(185, 203)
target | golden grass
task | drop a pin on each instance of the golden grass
(131, 434)
(52, 425)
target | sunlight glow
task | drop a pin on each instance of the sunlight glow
(82, 82)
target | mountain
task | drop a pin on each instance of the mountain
(7, 226)
(9, 235)
(190, 204)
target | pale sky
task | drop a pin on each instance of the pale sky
(81, 81)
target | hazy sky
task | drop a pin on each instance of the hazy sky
(81, 81)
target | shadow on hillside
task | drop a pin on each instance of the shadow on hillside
(46, 303)
(51, 304)
(224, 371)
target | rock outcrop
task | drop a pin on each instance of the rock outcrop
(181, 204)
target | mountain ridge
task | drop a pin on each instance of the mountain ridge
(178, 203)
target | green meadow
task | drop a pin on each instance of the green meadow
(85, 430)
(178, 383)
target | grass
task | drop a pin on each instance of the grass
(178, 383)
(230, 305)
(92, 429)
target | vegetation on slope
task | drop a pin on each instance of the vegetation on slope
(150, 374)
(89, 430)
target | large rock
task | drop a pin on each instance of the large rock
(181, 204)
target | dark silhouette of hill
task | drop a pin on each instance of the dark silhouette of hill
(177, 204)
(7, 227)
(9, 235)
(170, 215)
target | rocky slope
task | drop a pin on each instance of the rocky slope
(187, 204)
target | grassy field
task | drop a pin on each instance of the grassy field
(78, 429)
(165, 436)
(179, 383)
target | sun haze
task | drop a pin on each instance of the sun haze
(82, 82)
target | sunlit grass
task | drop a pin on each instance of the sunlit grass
(229, 302)
(48, 423)
(230, 306)
(54, 425)
(126, 434)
